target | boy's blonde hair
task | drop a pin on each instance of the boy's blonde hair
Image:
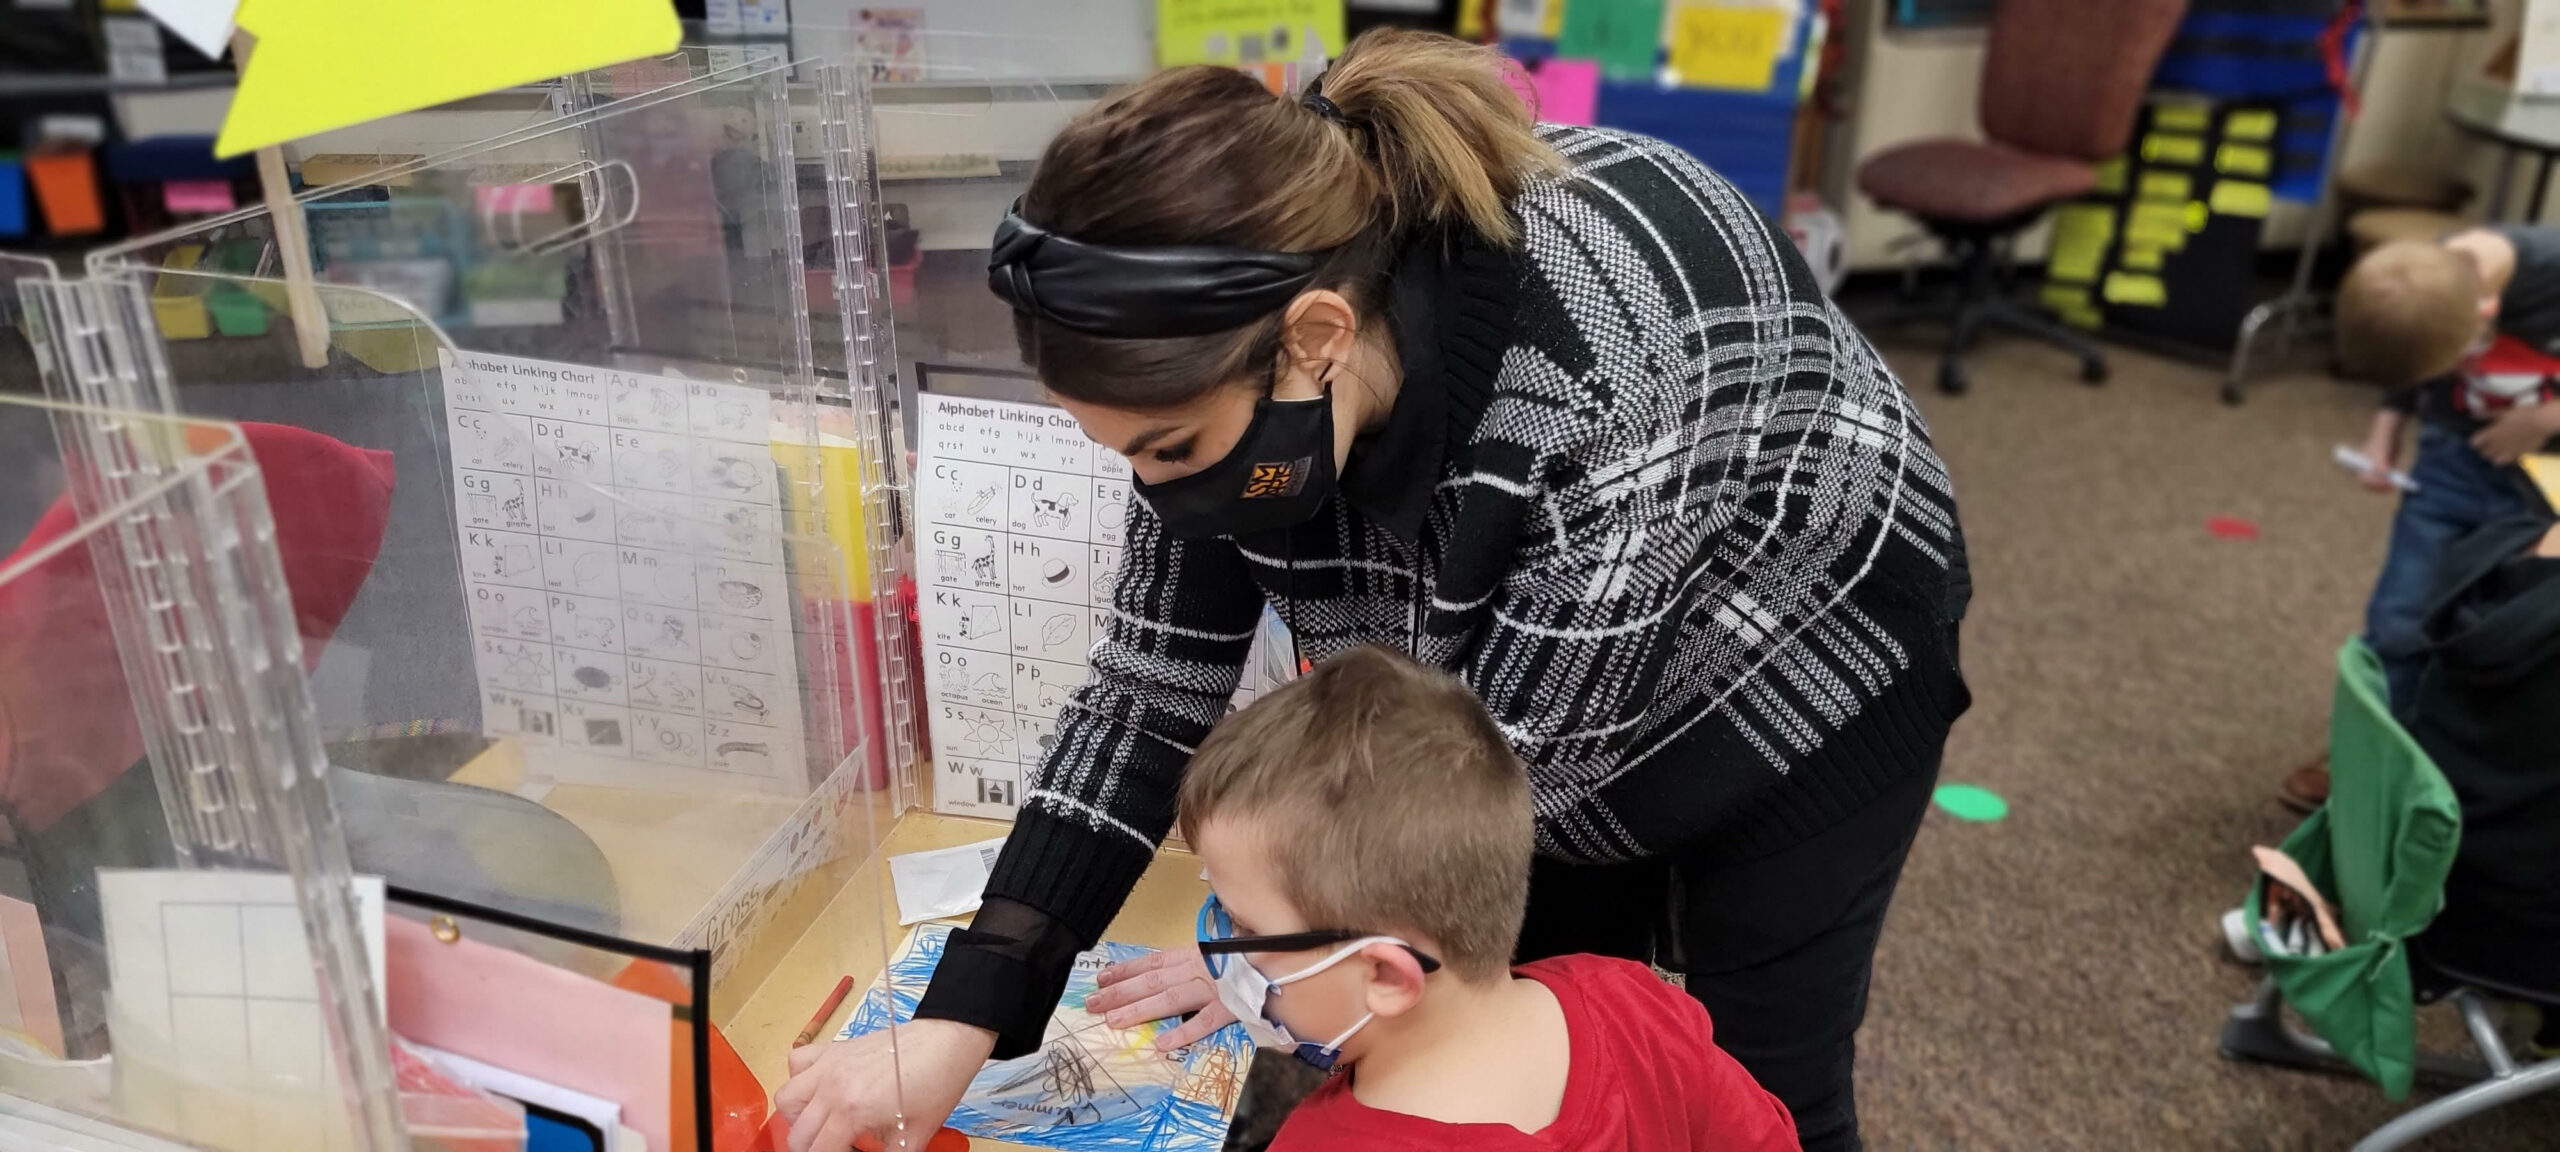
(2407, 311)
(1390, 799)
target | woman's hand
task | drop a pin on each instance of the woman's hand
(1173, 982)
(844, 1090)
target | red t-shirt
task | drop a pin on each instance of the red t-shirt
(1645, 1076)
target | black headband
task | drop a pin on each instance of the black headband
(1140, 292)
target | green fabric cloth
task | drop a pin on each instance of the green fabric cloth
(2379, 850)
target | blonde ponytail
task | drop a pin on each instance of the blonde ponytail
(1450, 141)
(1421, 135)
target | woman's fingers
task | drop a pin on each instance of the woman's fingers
(1195, 1029)
(1133, 987)
(1115, 973)
(1184, 997)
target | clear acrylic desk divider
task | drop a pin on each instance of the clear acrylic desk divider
(605, 629)
(184, 945)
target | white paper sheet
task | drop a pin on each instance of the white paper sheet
(944, 881)
(215, 967)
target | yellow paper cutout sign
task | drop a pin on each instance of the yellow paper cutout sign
(2241, 198)
(325, 64)
(1244, 32)
(1722, 46)
(2143, 291)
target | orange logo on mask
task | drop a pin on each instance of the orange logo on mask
(1275, 479)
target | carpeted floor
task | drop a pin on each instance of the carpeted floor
(2055, 980)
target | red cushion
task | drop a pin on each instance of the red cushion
(67, 726)
(1970, 181)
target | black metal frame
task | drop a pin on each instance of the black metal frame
(1982, 300)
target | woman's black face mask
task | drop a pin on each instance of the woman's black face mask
(1277, 476)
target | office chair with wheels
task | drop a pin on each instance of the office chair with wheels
(2062, 82)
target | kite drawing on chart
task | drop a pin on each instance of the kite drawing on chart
(987, 739)
(1053, 511)
(979, 621)
(511, 560)
(1057, 629)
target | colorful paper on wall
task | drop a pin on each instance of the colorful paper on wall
(1559, 91)
(1727, 46)
(324, 64)
(1625, 36)
(1247, 32)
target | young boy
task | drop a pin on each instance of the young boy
(1367, 832)
(2421, 318)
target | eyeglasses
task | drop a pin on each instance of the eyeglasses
(1218, 940)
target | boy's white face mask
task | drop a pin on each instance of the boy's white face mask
(1243, 989)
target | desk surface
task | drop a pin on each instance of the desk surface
(2531, 123)
(851, 935)
(672, 853)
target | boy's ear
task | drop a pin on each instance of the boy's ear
(1395, 979)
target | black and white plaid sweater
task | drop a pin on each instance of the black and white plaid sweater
(1684, 534)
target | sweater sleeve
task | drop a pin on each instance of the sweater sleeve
(1171, 651)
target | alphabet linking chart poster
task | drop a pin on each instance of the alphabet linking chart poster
(1022, 523)
(621, 548)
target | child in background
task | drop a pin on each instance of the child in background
(2463, 331)
(1367, 831)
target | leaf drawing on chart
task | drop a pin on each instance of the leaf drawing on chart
(1056, 631)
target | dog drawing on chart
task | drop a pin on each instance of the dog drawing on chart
(1053, 511)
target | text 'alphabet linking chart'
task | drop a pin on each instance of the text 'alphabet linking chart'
(1022, 525)
(621, 543)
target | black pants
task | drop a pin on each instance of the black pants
(1778, 949)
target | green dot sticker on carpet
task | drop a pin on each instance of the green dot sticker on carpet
(1971, 802)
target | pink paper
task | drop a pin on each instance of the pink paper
(496, 198)
(1568, 91)
(198, 197)
(504, 1008)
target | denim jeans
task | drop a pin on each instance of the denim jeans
(2458, 490)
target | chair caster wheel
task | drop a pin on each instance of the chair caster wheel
(2093, 371)
(1952, 379)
